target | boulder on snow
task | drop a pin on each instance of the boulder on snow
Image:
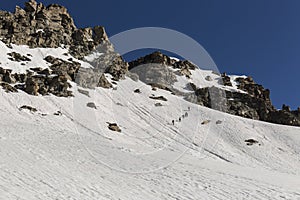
(91, 105)
(84, 92)
(158, 104)
(114, 127)
(8, 88)
(219, 122)
(30, 108)
(250, 142)
(137, 91)
(161, 98)
(205, 122)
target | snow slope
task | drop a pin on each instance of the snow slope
(75, 155)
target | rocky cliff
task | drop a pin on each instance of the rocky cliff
(40, 26)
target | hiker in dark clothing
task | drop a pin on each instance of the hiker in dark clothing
(173, 122)
(179, 119)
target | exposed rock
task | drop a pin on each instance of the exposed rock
(159, 58)
(8, 88)
(154, 73)
(193, 86)
(286, 108)
(218, 122)
(133, 76)
(84, 92)
(91, 105)
(256, 90)
(158, 104)
(18, 57)
(253, 105)
(32, 86)
(161, 98)
(108, 61)
(39, 26)
(103, 82)
(58, 113)
(8, 77)
(114, 127)
(250, 142)
(137, 91)
(31, 109)
(208, 78)
(226, 81)
(205, 122)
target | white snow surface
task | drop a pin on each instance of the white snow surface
(76, 156)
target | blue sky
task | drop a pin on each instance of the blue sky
(260, 38)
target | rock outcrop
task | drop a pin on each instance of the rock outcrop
(159, 58)
(255, 104)
(48, 26)
(52, 26)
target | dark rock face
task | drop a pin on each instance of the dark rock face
(256, 90)
(255, 104)
(38, 81)
(39, 26)
(226, 81)
(18, 57)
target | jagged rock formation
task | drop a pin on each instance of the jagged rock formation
(39, 26)
(225, 80)
(159, 58)
(42, 81)
(255, 104)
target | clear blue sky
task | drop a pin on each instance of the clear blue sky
(260, 38)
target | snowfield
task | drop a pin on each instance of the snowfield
(65, 150)
(75, 155)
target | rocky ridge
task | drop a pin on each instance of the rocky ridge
(48, 26)
(255, 103)
(52, 26)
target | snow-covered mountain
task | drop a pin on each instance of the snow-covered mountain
(79, 123)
